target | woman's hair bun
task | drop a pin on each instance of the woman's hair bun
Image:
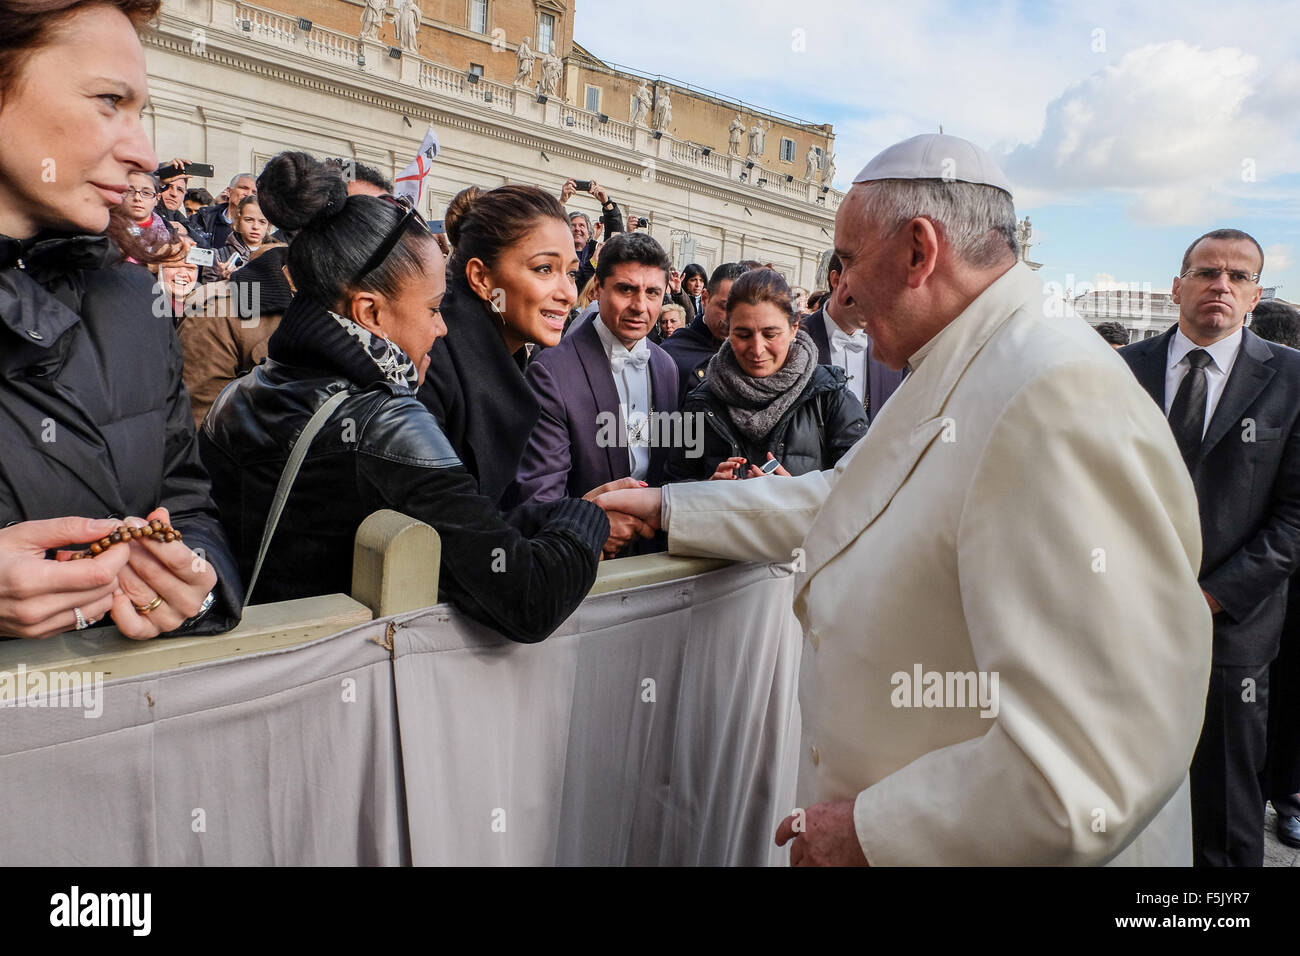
(296, 188)
(457, 210)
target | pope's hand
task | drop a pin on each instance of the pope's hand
(827, 836)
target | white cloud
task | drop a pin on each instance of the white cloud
(1277, 258)
(1167, 108)
(1180, 127)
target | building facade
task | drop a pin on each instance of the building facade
(1142, 312)
(232, 84)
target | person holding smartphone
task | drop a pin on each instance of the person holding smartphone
(767, 407)
(251, 231)
(584, 237)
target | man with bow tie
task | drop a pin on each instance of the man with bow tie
(844, 345)
(604, 389)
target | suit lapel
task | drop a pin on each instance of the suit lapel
(815, 324)
(1249, 377)
(600, 379)
(664, 384)
(1148, 364)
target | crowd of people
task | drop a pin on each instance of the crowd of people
(524, 380)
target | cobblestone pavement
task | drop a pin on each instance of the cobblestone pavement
(1277, 853)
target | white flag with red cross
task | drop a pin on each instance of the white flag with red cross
(411, 182)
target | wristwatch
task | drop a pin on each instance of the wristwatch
(204, 608)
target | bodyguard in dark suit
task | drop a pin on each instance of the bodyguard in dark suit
(1233, 403)
(1278, 322)
(603, 391)
(871, 380)
(692, 347)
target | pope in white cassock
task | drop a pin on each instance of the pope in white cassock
(1018, 512)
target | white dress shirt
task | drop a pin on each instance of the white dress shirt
(631, 373)
(1223, 355)
(848, 352)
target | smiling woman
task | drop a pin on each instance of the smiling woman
(765, 398)
(370, 281)
(511, 283)
(85, 446)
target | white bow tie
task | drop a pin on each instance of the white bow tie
(637, 360)
(857, 342)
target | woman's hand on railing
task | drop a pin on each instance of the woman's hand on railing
(37, 596)
(162, 585)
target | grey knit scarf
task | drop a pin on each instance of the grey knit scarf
(757, 404)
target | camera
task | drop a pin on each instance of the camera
(583, 185)
(640, 222)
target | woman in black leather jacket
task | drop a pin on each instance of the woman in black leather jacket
(370, 280)
(95, 430)
(765, 397)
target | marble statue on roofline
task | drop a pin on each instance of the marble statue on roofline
(736, 130)
(552, 67)
(641, 103)
(663, 114)
(372, 18)
(524, 57)
(408, 25)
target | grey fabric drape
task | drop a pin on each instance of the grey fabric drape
(658, 726)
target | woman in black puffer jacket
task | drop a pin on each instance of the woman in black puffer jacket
(95, 429)
(765, 397)
(370, 280)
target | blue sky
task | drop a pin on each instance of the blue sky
(1127, 128)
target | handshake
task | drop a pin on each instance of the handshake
(633, 510)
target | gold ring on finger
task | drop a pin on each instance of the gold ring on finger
(151, 606)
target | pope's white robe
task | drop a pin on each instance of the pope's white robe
(1018, 508)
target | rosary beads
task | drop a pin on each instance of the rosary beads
(154, 529)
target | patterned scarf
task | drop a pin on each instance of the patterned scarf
(393, 363)
(757, 404)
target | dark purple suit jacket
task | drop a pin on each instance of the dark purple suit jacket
(573, 384)
(881, 379)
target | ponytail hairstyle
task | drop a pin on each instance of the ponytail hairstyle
(482, 225)
(335, 235)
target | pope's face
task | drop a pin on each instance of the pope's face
(874, 275)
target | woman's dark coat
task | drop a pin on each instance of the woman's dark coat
(521, 573)
(814, 433)
(477, 391)
(94, 420)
